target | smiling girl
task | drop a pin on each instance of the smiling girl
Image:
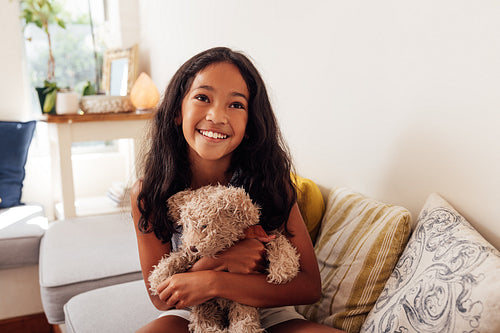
(215, 125)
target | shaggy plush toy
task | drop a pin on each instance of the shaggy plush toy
(213, 218)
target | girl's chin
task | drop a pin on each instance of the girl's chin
(210, 155)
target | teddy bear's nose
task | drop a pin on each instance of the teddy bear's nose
(193, 249)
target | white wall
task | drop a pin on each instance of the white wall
(396, 99)
(14, 96)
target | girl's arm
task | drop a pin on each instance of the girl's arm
(187, 289)
(151, 249)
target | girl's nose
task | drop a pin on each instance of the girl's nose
(217, 115)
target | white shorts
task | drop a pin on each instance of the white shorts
(268, 316)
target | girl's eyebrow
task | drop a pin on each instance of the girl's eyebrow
(210, 88)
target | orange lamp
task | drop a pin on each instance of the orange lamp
(144, 95)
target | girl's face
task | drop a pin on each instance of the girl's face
(215, 113)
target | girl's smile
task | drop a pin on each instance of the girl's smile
(215, 113)
(213, 135)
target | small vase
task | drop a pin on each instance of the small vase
(67, 102)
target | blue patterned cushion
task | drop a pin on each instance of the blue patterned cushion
(15, 139)
(445, 281)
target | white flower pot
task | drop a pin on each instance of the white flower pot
(67, 102)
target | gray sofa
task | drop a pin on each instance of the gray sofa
(21, 228)
(82, 254)
(443, 279)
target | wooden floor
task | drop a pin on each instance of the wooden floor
(36, 323)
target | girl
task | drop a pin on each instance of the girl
(215, 125)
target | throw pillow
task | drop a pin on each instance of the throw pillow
(15, 139)
(359, 244)
(311, 204)
(445, 281)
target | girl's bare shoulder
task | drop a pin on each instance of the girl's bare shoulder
(136, 189)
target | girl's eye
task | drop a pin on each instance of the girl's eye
(202, 98)
(237, 105)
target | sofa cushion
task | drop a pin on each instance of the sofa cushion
(15, 139)
(85, 253)
(358, 246)
(21, 229)
(120, 308)
(311, 204)
(445, 281)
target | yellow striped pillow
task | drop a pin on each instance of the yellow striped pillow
(359, 244)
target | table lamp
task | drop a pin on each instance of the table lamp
(144, 95)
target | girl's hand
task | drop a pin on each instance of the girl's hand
(256, 231)
(246, 256)
(186, 289)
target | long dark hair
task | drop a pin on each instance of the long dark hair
(261, 163)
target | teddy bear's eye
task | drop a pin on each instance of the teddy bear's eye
(203, 227)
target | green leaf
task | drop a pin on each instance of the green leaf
(61, 23)
(88, 89)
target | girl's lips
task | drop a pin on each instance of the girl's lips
(212, 134)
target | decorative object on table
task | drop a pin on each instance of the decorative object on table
(67, 102)
(47, 96)
(42, 13)
(106, 104)
(15, 138)
(144, 94)
(213, 219)
(119, 71)
(446, 280)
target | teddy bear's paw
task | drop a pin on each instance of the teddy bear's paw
(208, 317)
(243, 319)
(283, 259)
(206, 329)
(245, 327)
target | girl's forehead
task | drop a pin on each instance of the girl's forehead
(220, 76)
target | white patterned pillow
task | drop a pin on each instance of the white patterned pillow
(447, 279)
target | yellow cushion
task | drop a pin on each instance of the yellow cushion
(359, 243)
(311, 204)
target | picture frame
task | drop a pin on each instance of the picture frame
(119, 71)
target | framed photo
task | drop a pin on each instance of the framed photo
(119, 71)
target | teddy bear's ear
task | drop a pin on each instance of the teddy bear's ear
(175, 202)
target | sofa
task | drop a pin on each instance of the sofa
(378, 273)
(21, 225)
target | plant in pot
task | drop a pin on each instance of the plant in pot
(43, 13)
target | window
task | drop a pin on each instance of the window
(77, 51)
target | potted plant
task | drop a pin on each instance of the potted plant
(43, 13)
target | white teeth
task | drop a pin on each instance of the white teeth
(214, 135)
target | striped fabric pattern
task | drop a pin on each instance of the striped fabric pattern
(359, 244)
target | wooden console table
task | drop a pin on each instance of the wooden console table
(66, 129)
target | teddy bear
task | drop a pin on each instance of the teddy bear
(213, 218)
